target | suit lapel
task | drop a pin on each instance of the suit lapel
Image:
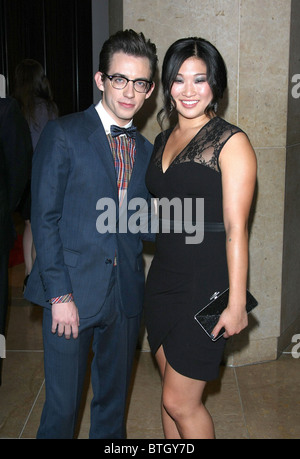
(138, 167)
(99, 142)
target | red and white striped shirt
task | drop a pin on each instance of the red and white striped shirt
(123, 150)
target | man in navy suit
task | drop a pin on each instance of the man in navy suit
(15, 166)
(90, 280)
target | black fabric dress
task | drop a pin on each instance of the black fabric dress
(183, 276)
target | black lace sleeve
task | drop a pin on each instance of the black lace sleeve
(204, 148)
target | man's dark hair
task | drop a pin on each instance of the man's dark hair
(131, 43)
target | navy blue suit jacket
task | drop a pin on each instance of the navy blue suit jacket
(73, 168)
(15, 166)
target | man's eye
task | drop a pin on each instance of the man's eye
(141, 84)
(119, 80)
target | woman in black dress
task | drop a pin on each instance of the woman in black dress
(207, 158)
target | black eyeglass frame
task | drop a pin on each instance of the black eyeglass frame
(110, 77)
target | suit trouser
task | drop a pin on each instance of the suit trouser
(4, 258)
(114, 342)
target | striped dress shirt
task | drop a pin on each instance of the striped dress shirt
(123, 151)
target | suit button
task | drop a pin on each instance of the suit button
(108, 261)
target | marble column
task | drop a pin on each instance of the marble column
(259, 42)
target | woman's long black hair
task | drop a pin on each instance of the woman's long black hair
(178, 52)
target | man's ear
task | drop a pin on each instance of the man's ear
(150, 91)
(99, 81)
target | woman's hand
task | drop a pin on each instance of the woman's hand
(234, 320)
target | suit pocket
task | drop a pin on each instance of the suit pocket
(71, 257)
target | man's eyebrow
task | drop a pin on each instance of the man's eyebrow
(124, 76)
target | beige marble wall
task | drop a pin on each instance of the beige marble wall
(166, 21)
(254, 38)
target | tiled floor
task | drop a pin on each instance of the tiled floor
(258, 401)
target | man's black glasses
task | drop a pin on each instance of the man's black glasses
(120, 82)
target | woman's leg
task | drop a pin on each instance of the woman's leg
(182, 404)
(169, 426)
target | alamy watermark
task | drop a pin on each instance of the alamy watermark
(175, 215)
(296, 348)
(2, 347)
(296, 88)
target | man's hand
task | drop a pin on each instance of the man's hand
(65, 319)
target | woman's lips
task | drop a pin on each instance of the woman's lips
(189, 103)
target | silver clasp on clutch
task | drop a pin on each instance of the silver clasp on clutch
(214, 296)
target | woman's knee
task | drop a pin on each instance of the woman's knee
(182, 399)
(175, 405)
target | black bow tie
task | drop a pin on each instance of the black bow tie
(117, 130)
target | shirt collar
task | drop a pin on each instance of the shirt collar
(106, 119)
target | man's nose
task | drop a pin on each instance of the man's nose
(129, 90)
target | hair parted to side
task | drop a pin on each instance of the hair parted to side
(131, 43)
(177, 53)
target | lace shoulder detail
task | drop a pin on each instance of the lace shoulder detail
(204, 148)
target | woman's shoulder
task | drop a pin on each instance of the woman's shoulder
(224, 130)
(225, 125)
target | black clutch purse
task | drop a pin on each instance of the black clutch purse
(208, 316)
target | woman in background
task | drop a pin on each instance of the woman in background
(204, 157)
(33, 93)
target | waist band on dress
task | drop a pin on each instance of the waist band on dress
(183, 226)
